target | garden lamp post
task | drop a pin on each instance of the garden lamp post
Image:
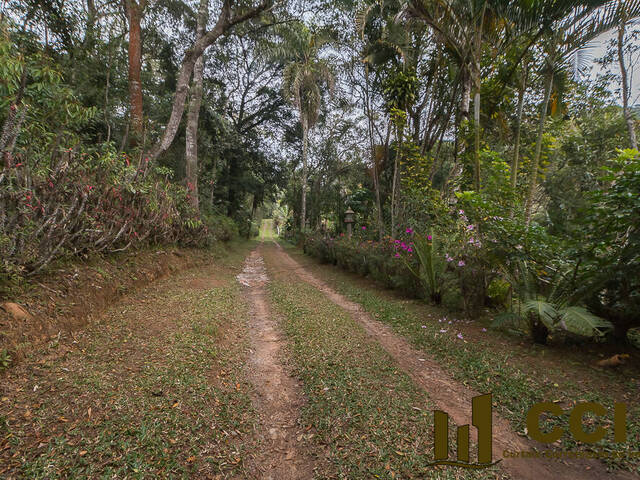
(348, 219)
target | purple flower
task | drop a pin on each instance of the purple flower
(461, 263)
(429, 237)
(484, 329)
(397, 255)
(403, 246)
(449, 259)
(461, 212)
(460, 336)
(470, 227)
(442, 330)
(364, 228)
(408, 230)
(409, 249)
(397, 242)
(424, 326)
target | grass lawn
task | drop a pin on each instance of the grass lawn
(374, 422)
(153, 389)
(517, 374)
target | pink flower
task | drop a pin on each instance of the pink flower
(460, 336)
(442, 330)
(429, 237)
(470, 227)
(397, 255)
(484, 329)
(408, 230)
(449, 258)
(461, 263)
(364, 228)
(409, 250)
(461, 212)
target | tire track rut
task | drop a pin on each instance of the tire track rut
(278, 396)
(455, 398)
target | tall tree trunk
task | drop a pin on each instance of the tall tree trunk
(305, 145)
(223, 25)
(533, 179)
(476, 143)
(134, 16)
(396, 180)
(465, 101)
(477, 83)
(374, 154)
(516, 147)
(89, 34)
(191, 147)
(625, 88)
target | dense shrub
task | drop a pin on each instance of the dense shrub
(610, 274)
(86, 203)
(62, 192)
(379, 260)
(221, 228)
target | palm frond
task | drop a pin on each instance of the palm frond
(545, 311)
(580, 321)
(506, 320)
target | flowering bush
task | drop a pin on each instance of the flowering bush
(382, 261)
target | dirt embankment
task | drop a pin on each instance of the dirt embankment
(69, 296)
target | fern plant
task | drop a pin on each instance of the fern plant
(558, 310)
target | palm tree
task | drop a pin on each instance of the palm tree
(563, 43)
(464, 28)
(459, 26)
(304, 80)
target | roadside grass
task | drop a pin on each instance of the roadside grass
(372, 419)
(513, 378)
(153, 389)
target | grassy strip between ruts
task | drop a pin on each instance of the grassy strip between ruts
(152, 390)
(487, 370)
(374, 422)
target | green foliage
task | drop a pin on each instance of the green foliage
(379, 260)
(5, 359)
(222, 227)
(611, 274)
(431, 266)
(556, 307)
(400, 90)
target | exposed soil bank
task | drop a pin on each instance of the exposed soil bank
(68, 297)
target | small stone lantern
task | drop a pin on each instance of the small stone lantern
(349, 219)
